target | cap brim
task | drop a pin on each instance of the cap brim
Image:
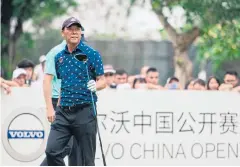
(109, 71)
(76, 23)
(22, 74)
(14, 77)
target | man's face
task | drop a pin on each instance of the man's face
(152, 77)
(29, 71)
(120, 79)
(20, 79)
(72, 34)
(198, 87)
(231, 79)
(109, 78)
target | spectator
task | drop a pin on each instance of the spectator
(131, 79)
(152, 79)
(144, 70)
(173, 84)
(27, 65)
(230, 80)
(121, 77)
(18, 80)
(19, 77)
(39, 70)
(199, 84)
(213, 83)
(5, 85)
(109, 75)
(189, 85)
(139, 83)
(231, 77)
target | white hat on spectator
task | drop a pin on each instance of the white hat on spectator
(42, 58)
(109, 69)
(17, 72)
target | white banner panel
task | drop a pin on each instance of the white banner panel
(137, 127)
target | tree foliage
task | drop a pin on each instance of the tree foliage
(41, 11)
(16, 12)
(220, 43)
(204, 12)
(200, 15)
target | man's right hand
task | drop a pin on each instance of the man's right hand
(225, 87)
(50, 115)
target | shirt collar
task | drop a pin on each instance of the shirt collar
(79, 47)
(63, 42)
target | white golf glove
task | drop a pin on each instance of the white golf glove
(91, 85)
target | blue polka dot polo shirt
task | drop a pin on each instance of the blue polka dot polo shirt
(74, 75)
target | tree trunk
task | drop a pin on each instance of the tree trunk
(183, 66)
(6, 13)
(12, 53)
(181, 42)
(12, 43)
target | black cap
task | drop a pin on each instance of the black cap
(70, 21)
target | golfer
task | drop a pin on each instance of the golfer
(72, 148)
(75, 115)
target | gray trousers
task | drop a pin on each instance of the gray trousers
(71, 149)
(78, 122)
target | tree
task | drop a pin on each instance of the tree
(221, 43)
(16, 12)
(199, 15)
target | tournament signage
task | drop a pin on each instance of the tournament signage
(170, 127)
(137, 127)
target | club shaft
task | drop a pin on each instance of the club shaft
(95, 114)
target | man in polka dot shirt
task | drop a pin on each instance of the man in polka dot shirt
(71, 149)
(75, 115)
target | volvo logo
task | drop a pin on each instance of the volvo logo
(27, 134)
(24, 134)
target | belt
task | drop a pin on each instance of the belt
(75, 106)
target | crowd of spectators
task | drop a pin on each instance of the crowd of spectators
(149, 79)
(27, 74)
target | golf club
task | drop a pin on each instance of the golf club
(83, 58)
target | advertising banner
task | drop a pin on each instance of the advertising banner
(137, 127)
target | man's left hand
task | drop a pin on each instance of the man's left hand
(91, 85)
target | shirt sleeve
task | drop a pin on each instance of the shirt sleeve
(98, 64)
(56, 67)
(50, 64)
